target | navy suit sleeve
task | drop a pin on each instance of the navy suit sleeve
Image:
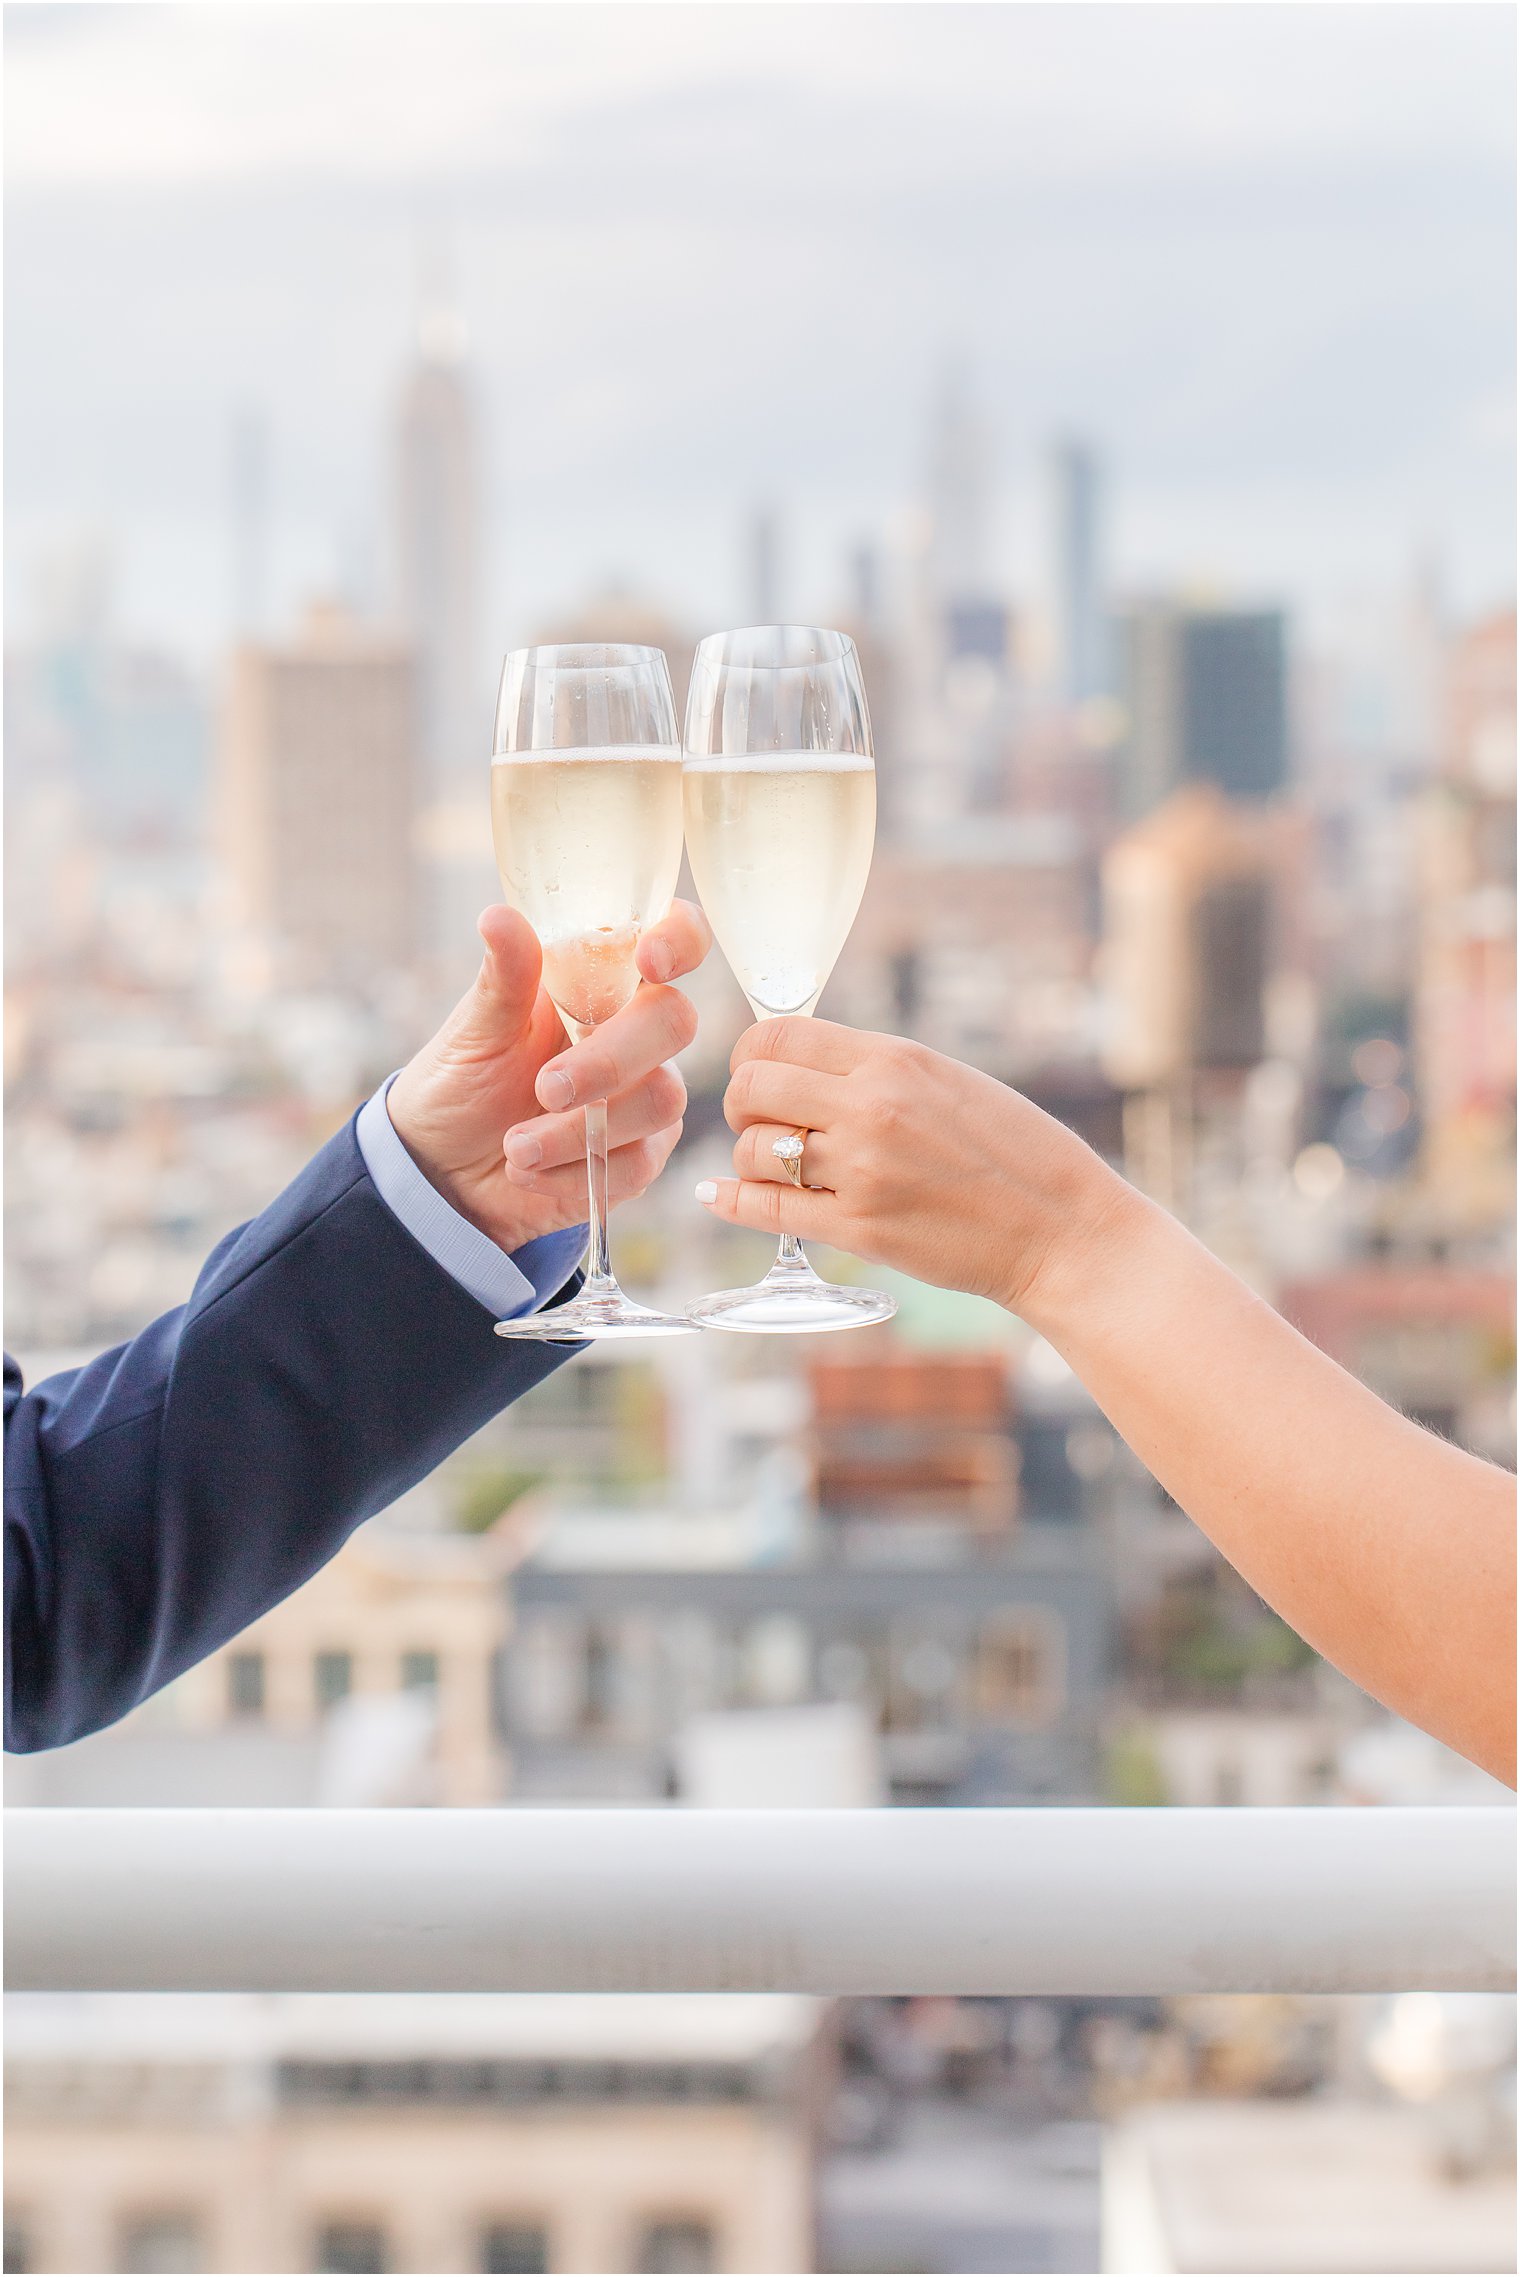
(161, 1498)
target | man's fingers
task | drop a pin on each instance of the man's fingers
(507, 985)
(658, 1023)
(550, 1140)
(819, 1044)
(772, 1209)
(753, 1156)
(677, 944)
(503, 1007)
(630, 1169)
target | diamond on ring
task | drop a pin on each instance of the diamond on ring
(787, 1149)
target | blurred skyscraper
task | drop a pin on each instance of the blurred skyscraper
(1080, 663)
(1465, 956)
(1206, 695)
(93, 715)
(1187, 900)
(437, 550)
(318, 800)
(973, 620)
(1202, 953)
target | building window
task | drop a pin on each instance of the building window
(514, 2249)
(419, 1671)
(682, 2245)
(1020, 1668)
(159, 2245)
(245, 1684)
(354, 2249)
(777, 1661)
(18, 2247)
(335, 1677)
(601, 1679)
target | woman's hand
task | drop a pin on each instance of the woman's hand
(1390, 1550)
(491, 1108)
(913, 1161)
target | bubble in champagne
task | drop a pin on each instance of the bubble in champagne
(592, 975)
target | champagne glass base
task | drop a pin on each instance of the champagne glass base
(596, 1319)
(807, 1307)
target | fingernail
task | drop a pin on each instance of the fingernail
(662, 959)
(524, 1152)
(555, 1089)
(706, 1191)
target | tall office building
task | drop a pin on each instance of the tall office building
(1078, 615)
(318, 797)
(973, 621)
(437, 553)
(1189, 921)
(1464, 997)
(1200, 941)
(1206, 695)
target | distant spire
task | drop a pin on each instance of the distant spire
(960, 489)
(441, 335)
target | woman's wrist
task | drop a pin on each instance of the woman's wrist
(1099, 1224)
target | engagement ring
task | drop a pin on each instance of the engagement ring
(788, 1152)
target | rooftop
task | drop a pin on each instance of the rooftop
(165, 2028)
(1282, 2188)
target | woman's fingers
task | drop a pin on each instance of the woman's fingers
(646, 1107)
(773, 1091)
(773, 1209)
(754, 1155)
(652, 1027)
(819, 1044)
(676, 945)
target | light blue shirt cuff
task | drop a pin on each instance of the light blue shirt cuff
(505, 1285)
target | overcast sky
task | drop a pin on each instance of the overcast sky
(710, 254)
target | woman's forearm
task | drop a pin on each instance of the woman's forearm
(1391, 1551)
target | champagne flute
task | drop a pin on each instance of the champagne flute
(780, 791)
(586, 817)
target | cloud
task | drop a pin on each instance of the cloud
(713, 253)
(423, 91)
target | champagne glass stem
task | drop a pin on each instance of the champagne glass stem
(599, 1281)
(792, 1269)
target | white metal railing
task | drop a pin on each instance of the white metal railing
(818, 1901)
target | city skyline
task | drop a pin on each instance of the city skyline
(1273, 299)
(1135, 384)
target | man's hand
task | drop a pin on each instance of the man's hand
(490, 1108)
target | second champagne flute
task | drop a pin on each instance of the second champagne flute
(780, 822)
(586, 816)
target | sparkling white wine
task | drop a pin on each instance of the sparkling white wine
(780, 846)
(588, 844)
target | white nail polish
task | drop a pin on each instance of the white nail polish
(706, 1190)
